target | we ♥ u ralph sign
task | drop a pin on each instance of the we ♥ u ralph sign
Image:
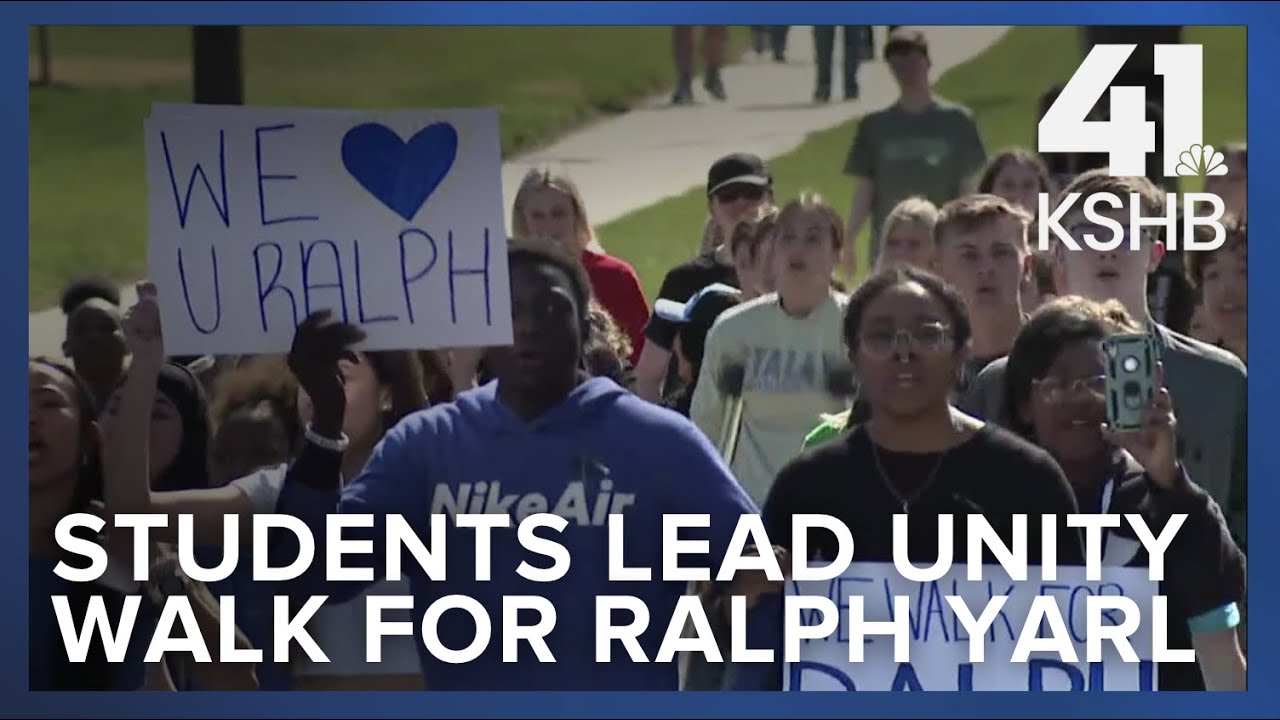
(392, 221)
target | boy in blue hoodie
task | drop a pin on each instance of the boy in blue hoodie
(542, 437)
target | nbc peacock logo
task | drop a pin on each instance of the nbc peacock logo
(1201, 161)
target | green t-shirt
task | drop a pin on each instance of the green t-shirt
(932, 154)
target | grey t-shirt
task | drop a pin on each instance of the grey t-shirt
(1209, 389)
(931, 153)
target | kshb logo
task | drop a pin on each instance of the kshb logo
(1126, 137)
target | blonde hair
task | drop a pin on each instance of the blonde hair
(916, 211)
(809, 201)
(546, 178)
(969, 212)
(712, 236)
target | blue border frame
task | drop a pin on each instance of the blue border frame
(1263, 20)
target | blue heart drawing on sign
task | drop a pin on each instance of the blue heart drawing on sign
(401, 175)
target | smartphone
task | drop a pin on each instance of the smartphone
(1131, 379)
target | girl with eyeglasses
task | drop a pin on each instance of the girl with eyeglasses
(916, 454)
(907, 333)
(1056, 391)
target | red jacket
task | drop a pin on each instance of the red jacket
(616, 286)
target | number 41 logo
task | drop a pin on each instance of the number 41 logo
(1128, 136)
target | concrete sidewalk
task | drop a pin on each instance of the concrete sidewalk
(658, 151)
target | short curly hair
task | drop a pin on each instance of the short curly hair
(606, 342)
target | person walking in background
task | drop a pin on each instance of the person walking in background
(549, 205)
(714, 38)
(824, 41)
(738, 186)
(787, 343)
(907, 236)
(982, 250)
(921, 145)
(94, 340)
(775, 36)
(694, 319)
(1222, 277)
(1019, 176)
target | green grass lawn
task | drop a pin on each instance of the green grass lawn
(87, 177)
(1002, 86)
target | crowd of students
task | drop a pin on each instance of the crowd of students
(963, 375)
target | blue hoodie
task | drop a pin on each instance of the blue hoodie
(601, 450)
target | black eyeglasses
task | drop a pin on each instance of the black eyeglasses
(733, 193)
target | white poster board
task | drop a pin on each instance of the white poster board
(393, 221)
(939, 649)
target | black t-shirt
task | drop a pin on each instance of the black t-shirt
(680, 284)
(1204, 568)
(993, 473)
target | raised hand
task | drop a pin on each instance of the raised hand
(142, 332)
(1155, 444)
(318, 346)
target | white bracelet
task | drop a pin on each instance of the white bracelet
(339, 445)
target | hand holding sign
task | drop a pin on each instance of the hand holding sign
(142, 331)
(752, 584)
(1155, 445)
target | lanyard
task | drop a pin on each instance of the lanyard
(1105, 506)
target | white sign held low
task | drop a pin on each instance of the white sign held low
(938, 649)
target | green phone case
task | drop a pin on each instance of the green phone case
(1131, 379)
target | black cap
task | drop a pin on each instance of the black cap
(737, 168)
(697, 315)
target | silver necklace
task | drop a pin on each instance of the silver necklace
(888, 482)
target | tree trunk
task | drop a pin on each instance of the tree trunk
(217, 72)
